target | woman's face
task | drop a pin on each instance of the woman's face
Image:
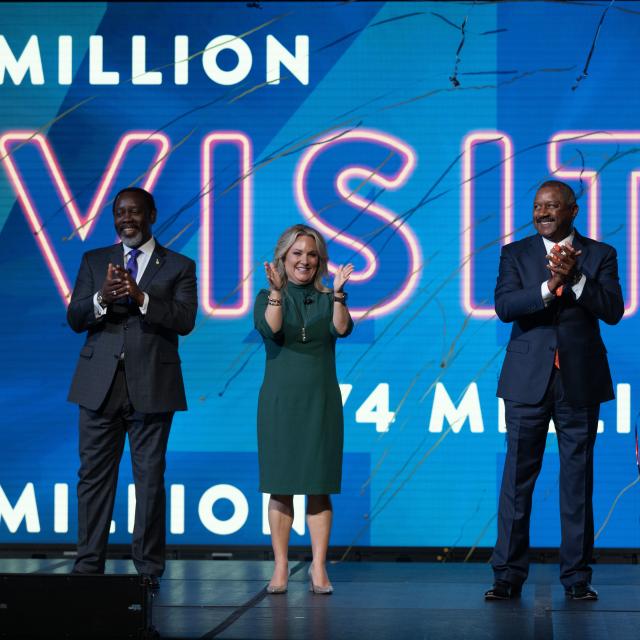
(301, 261)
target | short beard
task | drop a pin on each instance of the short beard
(132, 242)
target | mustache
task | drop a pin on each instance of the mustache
(545, 218)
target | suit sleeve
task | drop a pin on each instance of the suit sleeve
(602, 295)
(512, 299)
(177, 312)
(80, 313)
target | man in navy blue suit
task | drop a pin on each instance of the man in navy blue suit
(554, 287)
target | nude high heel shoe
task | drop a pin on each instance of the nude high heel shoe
(324, 591)
(280, 588)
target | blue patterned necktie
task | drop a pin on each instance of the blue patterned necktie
(132, 263)
(132, 267)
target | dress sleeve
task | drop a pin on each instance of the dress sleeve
(259, 321)
(332, 329)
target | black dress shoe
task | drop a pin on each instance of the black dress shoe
(581, 591)
(152, 582)
(75, 572)
(503, 590)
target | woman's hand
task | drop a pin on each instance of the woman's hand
(342, 275)
(273, 277)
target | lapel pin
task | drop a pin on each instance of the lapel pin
(157, 261)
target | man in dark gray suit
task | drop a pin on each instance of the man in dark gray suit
(133, 299)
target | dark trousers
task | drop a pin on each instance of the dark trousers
(102, 435)
(527, 427)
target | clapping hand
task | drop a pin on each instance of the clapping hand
(273, 277)
(132, 290)
(562, 264)
(343, 274)
(118, 283)
(113, 285)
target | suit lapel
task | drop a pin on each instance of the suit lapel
(580, 245)
(116, 255)
(538, 252)
(153, 266)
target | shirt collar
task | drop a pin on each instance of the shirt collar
(146, 248)
(550, 243)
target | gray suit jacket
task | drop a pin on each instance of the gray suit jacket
(150, 342)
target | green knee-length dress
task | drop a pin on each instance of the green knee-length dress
(300, 423)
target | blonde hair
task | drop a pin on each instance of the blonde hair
(286, 241)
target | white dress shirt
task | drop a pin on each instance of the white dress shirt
(547, 296)
(146, 250)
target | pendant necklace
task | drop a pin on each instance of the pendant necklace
(303, 320)
(303, 337)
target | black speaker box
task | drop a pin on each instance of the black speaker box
(40, 605)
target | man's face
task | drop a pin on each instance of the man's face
(552, 215)
(132, 219)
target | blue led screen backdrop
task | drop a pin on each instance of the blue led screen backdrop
(412, 135)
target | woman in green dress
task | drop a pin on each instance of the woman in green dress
(300, 424)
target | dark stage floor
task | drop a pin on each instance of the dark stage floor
(377, 600)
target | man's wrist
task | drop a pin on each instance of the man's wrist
(553, 285)
(575, 278)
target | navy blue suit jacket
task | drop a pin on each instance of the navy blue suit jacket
(570, 325)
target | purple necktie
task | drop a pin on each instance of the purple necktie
(132, 267)
(132, 263)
